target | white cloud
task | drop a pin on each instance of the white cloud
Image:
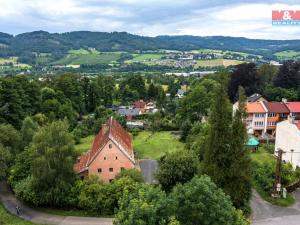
(148, 17)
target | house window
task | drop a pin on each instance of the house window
(110, 180)
(272, 115)
(104, 158)
(258, 124)
(122, 168)
(99, 170)
(116, 157)
(271, 123)
(111, 169)
(259, 115)
(110, 145)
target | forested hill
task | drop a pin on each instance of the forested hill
(44, 42)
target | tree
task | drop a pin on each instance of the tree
(238, 184)
(134, 174)
(225, 154)
(5, 160)
(52, 166)
(288, 75)
(267, 73)
(200, 201)
(244, 75)
(216, 160)
(177, 167)
(145, 205)
(28, 129)
(152, 91)
(10, 138)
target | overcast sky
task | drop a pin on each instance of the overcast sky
(244, 18)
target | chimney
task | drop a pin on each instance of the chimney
(284, 100)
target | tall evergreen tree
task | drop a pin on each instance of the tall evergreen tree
(239, 184)
(226, 160)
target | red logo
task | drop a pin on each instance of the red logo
(285, 15)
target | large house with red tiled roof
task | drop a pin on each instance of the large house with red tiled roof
(256, 118)
(111, 152)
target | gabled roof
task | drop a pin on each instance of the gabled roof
(139, 104)
(255, 107)
(111, 130)
(128, 112)
(294, 107)
(276, 107)
(254, 97)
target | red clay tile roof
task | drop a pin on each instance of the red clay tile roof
(297, 123)
(139, 104)
(255, 107)
(294, 107)
(276, 107)
(111, 129)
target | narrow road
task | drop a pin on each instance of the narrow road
(148, 168)
(264, 213)
(10, 202)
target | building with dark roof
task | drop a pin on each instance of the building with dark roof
(277, 111)
(110, 153)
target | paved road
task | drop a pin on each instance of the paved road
(148, 168)
(264, 213)
(10, 202)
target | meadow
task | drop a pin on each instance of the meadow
(146, 144)
(217, 62)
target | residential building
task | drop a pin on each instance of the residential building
(277, 111)
(288, 139)
(140, 105)
(294, 108)
(256, 118)
(129, 113)
(252, 98)
(111, 152)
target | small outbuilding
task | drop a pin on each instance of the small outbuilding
(252, 144)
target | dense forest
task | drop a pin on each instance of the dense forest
(59, 43)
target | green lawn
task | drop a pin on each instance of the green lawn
(85, 145)
(262, 156)
(8, 219)
(153, 146)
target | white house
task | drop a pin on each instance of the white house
(288, 139)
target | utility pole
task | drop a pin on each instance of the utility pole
(277, 183)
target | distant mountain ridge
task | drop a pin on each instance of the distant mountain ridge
(60, 43)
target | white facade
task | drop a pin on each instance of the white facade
(287, 139)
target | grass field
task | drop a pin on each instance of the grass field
(145, 144)
(8, 219)
(84, 56)
(289, 54)
(153, 146)
(217, 62)
(85, 145)
(144, 57)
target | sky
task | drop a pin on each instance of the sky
(247, 18)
